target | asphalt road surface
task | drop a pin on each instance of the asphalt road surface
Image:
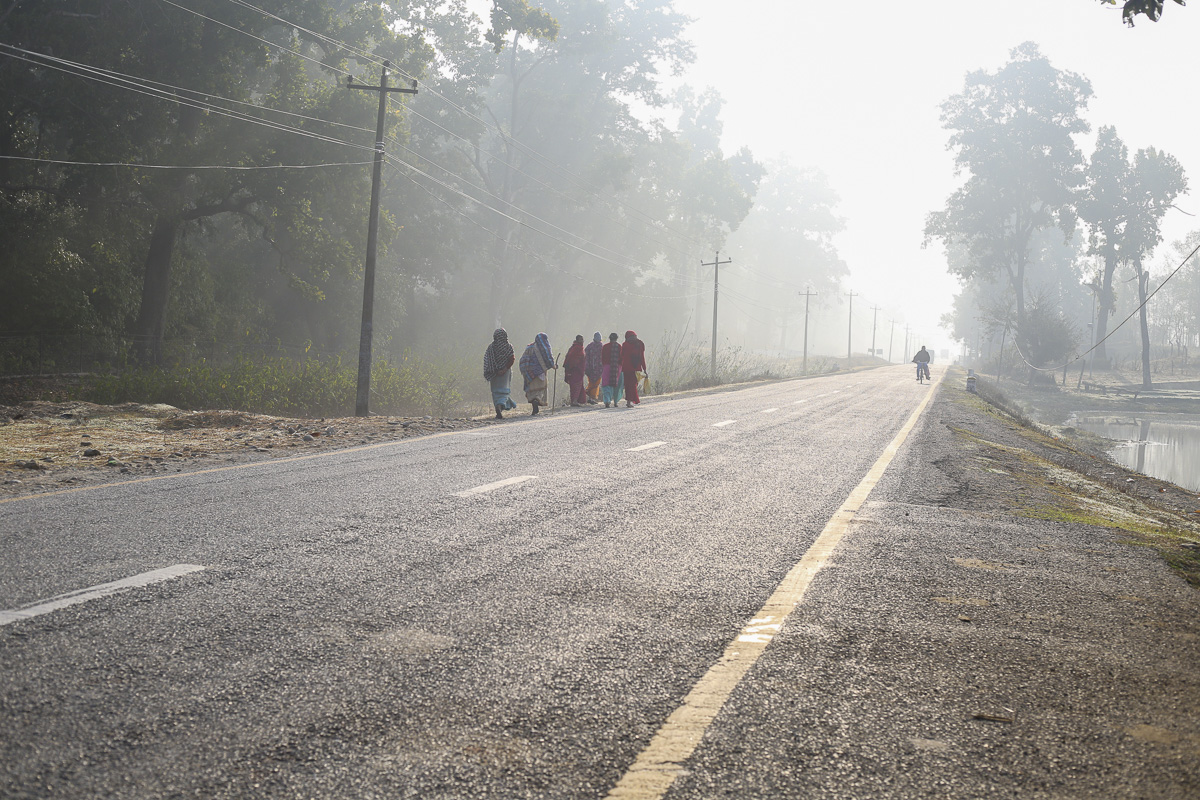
(521, 610)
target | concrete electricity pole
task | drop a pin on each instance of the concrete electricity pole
(362, 397)
(716, 265)
(891, 339)
(874, 319)
(806, 294)
(850, 327)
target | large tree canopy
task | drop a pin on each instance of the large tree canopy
(1012, 134)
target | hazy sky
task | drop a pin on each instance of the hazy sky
(854, 89)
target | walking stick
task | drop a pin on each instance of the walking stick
(554, 389)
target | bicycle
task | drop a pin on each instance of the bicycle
(923, 372)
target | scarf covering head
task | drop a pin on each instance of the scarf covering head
(596, 337)
(593, 365)
(537, 357)
(498, 356)
(633, 353)
(575, 361)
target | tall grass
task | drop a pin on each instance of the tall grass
(285, 386)
(675, 366)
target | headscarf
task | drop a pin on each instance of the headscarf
(633, 353)
(498, 356)
(537, 357)
(574, 362)
(594, 365)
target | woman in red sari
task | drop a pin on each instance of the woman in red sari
(633, 360)
(573, 366)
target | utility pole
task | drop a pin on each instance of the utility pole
(806, 294)
(891, 339)
(850, 327)
(1095, 287)
(905, 340)
(363, 395)
(874, 319)
(716, 265)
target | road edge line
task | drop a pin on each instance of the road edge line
(662, 760)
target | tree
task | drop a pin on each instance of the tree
(1012, 133)
(311, 220)
(1155, 180)
(1152, 9)
(1123, 205)
(1102, 207)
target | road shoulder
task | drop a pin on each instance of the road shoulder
(998, 622)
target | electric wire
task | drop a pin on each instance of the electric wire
(318, 62)
(184, 166)
(147, 87)
(132, 85)
(399, 70)
(433, 91)
(549, 187)
(499, 199)
(152, 83)
(1138, 308)
(393, 166)
(523, 223)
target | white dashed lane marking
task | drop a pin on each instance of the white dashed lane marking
(650, 446)
(723, 424)
(815, 397)
(768, 411)
(95, 592)
(489, 487)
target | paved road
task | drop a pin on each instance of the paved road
(410, 620)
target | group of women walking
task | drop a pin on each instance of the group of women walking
(612, 370)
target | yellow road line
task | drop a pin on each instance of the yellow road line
(656, 768)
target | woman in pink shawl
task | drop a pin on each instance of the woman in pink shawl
(633, 360)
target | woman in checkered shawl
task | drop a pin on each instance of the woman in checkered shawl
(497, 369)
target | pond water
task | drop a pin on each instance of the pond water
(1162, 448)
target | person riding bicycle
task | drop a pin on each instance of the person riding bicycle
(921, 359)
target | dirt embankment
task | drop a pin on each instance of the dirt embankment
(46, 446)
(1007, 461)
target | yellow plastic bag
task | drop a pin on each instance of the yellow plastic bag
(644, 380)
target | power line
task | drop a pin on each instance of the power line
(431, 90)
(135, 86)
(375, 59)
(267, 42)
(184, 166)
(522, 223)
(148, 83)
(550, 187)
(530, 253)
(1138, 308)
